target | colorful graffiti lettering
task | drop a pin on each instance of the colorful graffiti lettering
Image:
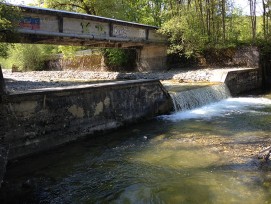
(30, 23)
(85, 27)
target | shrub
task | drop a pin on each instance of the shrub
(120, 59)
(28, 56)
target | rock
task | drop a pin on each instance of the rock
(15, 68)
(3, 161)
(265, 154)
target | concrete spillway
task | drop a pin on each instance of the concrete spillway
(194, 98)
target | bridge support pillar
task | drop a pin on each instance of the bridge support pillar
(152, 58)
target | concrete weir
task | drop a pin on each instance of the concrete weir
(240, 81)
(36, 121)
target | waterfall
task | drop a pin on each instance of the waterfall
(187, 100)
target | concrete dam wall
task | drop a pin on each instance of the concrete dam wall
(35, 121)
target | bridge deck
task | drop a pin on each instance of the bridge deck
(40, 25)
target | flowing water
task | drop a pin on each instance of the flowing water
(190, 99)
(204, 155)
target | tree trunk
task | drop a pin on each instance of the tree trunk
(223, 20)
(264, 19)
(253, 18)
(208, 18)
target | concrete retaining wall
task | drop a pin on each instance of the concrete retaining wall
(152, 58)
(243, 81)
(36, 121)
(3, 161)
(240, 81)
(246, 57)
(93, 62)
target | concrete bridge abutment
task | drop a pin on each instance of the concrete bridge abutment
(152, 58)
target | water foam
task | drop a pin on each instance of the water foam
(222, 108)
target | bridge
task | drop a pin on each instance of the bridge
(48, 26)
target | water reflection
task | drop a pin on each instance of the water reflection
(207, 158)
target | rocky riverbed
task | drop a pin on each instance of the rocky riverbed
(27, 81)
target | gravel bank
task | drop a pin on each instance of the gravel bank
(27, 81)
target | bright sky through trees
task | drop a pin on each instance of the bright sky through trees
(242, 4)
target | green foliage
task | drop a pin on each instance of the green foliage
(185, 36)
(69, 51)
(142, 11)
(7, 33)
(191, 26)
(7, 15)
(28, 56)
(4, 47)
(201, 25)
(116, 59)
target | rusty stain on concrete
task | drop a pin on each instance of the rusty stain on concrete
(77, 111)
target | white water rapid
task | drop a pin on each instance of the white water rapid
(225, 108)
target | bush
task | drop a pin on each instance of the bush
(28, 56)
(120, 59)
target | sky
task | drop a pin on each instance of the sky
(243, 4)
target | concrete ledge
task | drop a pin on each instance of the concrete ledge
(82, 88)
(35, 121)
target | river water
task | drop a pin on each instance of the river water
(204, 155)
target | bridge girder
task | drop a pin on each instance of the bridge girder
(48, 26)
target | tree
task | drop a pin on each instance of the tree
(266, 18)
(223, 3)
(7, 16)
(253, 17)
(191, 25)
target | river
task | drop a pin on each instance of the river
(204, 155)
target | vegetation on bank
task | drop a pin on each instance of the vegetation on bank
(192, 27)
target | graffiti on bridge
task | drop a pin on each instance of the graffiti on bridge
(87, 28)
(29, 22)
